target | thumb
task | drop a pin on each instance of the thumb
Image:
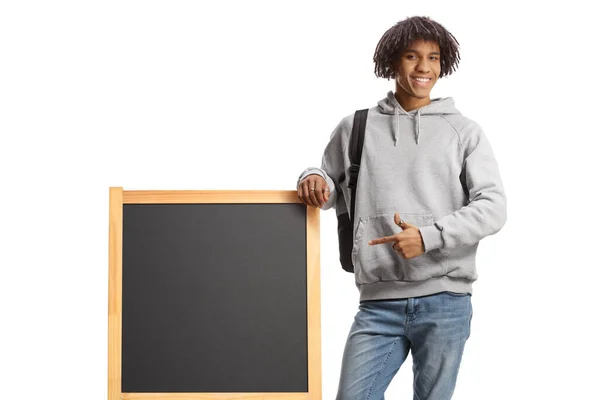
(401, 223)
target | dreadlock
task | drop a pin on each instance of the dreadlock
(393, 43)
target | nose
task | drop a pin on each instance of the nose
(423, 65)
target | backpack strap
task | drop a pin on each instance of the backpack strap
(356, 146)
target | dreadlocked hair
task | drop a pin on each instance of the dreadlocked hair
(393, 43)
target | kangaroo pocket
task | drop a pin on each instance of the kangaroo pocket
(382, 263)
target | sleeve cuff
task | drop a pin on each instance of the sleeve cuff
(432, 237)
(316, 171)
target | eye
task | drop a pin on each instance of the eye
(434, 58)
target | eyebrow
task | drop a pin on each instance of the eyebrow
(437, 53)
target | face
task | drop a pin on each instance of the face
(417, 70)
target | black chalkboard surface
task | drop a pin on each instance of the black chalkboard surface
(202, 285)
(214, 295)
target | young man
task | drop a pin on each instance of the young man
(429, 190)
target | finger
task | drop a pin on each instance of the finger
(398, 249)
(400, 222)
(301, 194)
(322, 189)
(385, 239)
(312, 198)
(319, 192)
(306, 193)
(326, 193)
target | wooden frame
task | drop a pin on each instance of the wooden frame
(118, 197)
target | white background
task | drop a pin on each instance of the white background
(244, 95)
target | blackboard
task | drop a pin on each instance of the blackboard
(217, 295)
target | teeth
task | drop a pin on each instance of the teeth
(422, 79)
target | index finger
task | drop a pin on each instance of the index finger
(385, 239)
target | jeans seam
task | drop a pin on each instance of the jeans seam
(382, 368)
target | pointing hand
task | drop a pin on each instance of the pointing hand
(408, 243)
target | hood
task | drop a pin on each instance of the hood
(438, 106)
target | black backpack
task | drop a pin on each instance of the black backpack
(346, 220)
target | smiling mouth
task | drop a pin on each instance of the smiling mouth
(421, 81)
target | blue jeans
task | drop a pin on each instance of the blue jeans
(434, 328)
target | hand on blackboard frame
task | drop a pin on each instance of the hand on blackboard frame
(313, 191)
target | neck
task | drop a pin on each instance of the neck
(409, 102)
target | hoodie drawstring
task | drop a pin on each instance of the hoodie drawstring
(418, 124)
(397, 127)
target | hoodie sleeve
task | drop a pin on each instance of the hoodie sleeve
(485, 214)
(332, 163)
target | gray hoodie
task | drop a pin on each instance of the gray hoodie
(436, 168)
